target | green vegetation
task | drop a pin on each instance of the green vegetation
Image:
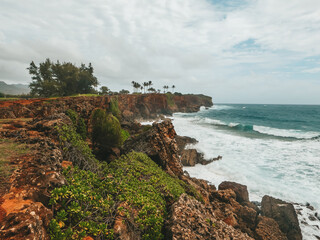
(106, 131)
(170, 100)
(78, 123)
(86, 207)
(51, 79)
(76, 150)
(114, 108)
(134, 186)
(124, 135)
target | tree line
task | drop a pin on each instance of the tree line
(54, 79)
(137, 87)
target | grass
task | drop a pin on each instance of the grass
(9, 99)
(11, 120)
(9, 150)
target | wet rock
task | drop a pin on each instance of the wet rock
(190, 157)
(284, 214)
(190, 219)
(240, 190)
(182, 141)
(268, 229)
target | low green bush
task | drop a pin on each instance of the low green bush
(88, 203)
(86, 207)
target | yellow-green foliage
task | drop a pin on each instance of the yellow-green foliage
(124, 135)
(146, 187)
(87, 204)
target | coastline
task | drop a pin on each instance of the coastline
(224, 211)
(309, 220)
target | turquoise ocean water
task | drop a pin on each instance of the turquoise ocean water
(273, 149)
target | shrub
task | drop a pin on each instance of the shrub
(106, 131)
(82, 128)
(147, 189)
(86, 207)
(78, 123)
(134, 186)
(76, 150)
(73, 116)
(114, 108)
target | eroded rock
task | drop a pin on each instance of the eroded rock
(284, 214)
(190, 219)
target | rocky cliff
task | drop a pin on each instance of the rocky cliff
(132, 106)
(180, 207)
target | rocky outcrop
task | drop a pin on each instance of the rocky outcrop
(190, 219)
(160, 145)
(190, 157)
(182, 141)
(284, 214)
(240, 190)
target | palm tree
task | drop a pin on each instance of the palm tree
(145, 84)
(173, 87)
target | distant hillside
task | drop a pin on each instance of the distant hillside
(13, 89)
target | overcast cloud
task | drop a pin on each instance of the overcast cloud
(259, 51)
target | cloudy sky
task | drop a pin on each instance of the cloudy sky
(237, 51)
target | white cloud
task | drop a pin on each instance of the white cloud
(185, 42)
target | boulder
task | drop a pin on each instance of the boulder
(268, 229)
(284, 214)
(240, 190)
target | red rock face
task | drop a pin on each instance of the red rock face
(131, 105)
(24, 210)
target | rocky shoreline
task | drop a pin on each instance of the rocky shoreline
(201, 212)
(305, 216)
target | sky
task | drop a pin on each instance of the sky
(237, 51)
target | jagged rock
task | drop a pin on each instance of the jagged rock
(202, 186)
(190, 157)
(284, 214)
(240, 190)
(160, 145)
(268, 229)
(182, 141)
(190, 219)
(29, 222)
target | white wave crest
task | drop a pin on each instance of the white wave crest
(285, 132)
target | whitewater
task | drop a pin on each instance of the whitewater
(273, 149)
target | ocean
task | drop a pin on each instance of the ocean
(273, 149)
